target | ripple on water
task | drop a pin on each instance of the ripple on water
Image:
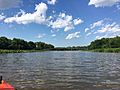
(67, 70)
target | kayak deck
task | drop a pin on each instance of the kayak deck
(6, 86)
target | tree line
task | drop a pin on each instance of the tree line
(20, 44)
(70, 48)
(105, 43)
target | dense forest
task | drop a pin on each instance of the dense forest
(20, 44)
(105, 43)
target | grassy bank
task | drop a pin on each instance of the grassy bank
(111, 50)
(19, 51)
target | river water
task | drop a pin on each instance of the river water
(61, 70)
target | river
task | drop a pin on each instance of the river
(61, 70)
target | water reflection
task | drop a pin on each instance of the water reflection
(62, 70)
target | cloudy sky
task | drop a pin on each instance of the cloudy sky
(60, 22)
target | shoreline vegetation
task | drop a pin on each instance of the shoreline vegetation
(20, 51)
(15, 45)
(107, 50)
(111, 45)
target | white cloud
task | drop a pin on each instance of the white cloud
(61, 21)
(2, 17)
(51, 2)
(88, 33)
(97, 24)
(100, 37)
(41, 35)
(39, 16)
(64, 21)
(77, 21)
(113, 28)
(104, 36)
(108, 31)
(103, 28)
(53, 35)
(69, 27)
(107, 36)
(94, 26)
(73, 35)
(5, 4)
(87, 29)
(103, 3)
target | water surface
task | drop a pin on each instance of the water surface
(61, 70)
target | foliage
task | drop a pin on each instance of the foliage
(4, 43)
(105, 43)
(101, 45)
(19, 51)
(71, 48)
(20, 44)
(112, 50)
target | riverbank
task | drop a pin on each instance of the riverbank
(110, 50)
(107, 50)
(104, 50)
(20, 51)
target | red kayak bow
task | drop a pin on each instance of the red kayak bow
(5, 86)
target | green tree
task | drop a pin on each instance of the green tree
(31, 45)
(4, 43)
(19, 44)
